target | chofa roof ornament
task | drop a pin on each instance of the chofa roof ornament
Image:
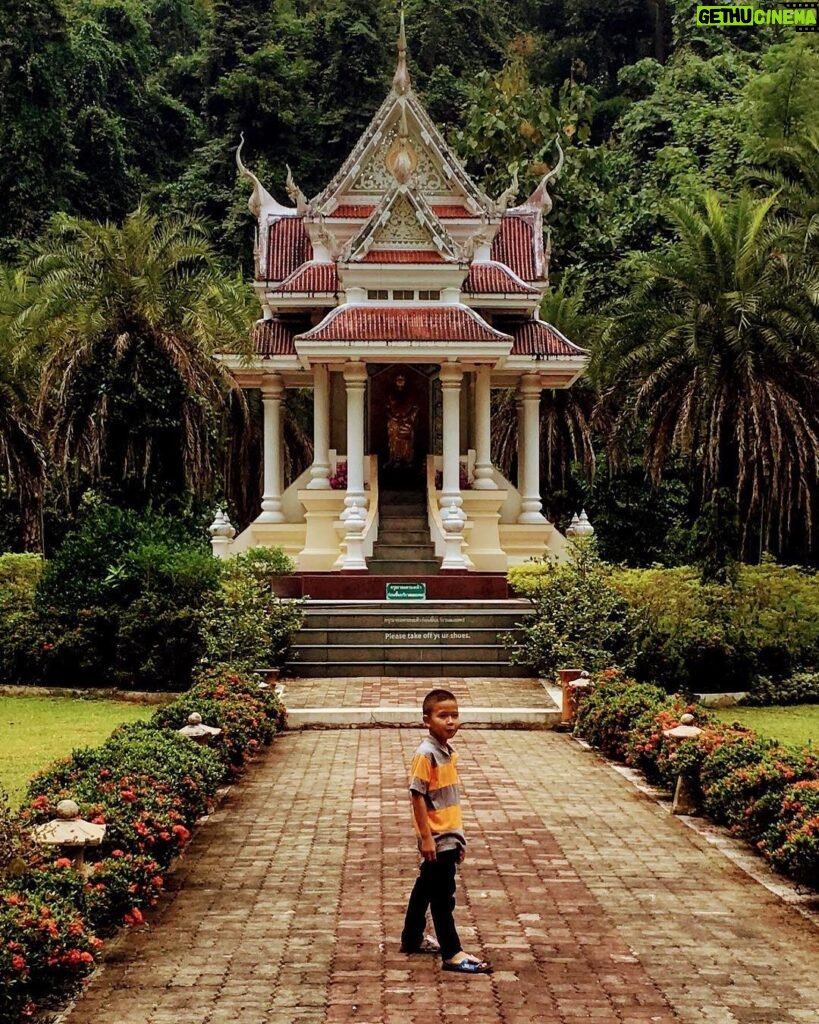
(260, 200)
(540, 198)
(295, 193)
(505, 198)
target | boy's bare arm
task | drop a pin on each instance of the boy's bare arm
(419, 811)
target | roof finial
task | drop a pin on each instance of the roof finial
(401, 79)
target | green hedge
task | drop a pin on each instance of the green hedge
(667, 626)
(764, 791)
(148, 785)
(134, 601)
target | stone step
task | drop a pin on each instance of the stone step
(418, 524)
(352, 654)
(388, 551)
(314, 636)
(394, 567)
(391, 536)
(404, 669)
(416, 616)
(408, 718)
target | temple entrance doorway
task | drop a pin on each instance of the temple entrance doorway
(400, 425)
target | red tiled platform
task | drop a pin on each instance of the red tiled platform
(362, 586)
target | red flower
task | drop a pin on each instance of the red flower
(18, 962)
(62, 862)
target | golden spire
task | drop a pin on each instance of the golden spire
(401, 78)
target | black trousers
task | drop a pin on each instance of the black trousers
(434, 888)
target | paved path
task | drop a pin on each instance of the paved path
(592, 901)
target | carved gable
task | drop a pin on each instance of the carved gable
(403, 220)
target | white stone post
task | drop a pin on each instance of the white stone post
(355, 378)
(521, 445)
(484, 480)
(354, 538)
(531, 504)
(320, 470)
(272, 392)
(451, 377)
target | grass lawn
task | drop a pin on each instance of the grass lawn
(34, 731)
(798, 723)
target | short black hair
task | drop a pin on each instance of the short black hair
(436, 697)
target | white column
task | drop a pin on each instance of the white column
(320, 470)
(355, 378)
(530, 491)
(451, 377)
(484, 480)
(521, 447)
(272, 392)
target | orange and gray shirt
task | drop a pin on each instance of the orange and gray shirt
(433, 774)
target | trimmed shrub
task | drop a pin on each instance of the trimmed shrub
(231, 700)
(766, 792)
(46, 949)
(719, 637)
(120, 603)
(792, 841)
(606, 715)
(579, 618)
(800, 688)
(244, 623)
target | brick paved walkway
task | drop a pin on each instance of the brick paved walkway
(592, 901)
(394, 692)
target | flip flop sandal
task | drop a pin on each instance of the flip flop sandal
(469, 967)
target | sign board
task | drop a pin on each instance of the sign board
(406, 591)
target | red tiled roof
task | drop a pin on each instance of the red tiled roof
(539, 339)
(312, 278)
(403, 256)
(273, 338)
(351, 210)
(514, 246)
(451, 210)
(495, 279)
(407, 323)
(287, 248)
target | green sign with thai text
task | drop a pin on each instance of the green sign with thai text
(406, 591)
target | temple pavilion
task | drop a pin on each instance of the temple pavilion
(402, 294)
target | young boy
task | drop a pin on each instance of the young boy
(436, 813)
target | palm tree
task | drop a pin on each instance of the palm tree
(716, 356)
(22, 461)
(793, 170)
(566, 414)
(128, 319)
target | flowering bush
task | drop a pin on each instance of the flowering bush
(792, 841)
(231, 700)
(464, 483)
(764, 791)
(46, 949)
(606, 715)
(148, 786)
(338, 481)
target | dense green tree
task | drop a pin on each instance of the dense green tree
(35, 135)
(22, 460)
(566, 414)
(128, 319)
(717, 351)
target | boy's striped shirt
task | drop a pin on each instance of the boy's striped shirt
(433, 774)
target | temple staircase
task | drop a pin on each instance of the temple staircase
(404, 547)
(405, 638)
